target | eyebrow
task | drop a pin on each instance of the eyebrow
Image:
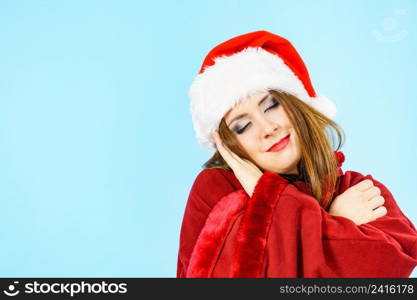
(244, 115)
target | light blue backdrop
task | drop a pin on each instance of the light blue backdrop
(97, 148)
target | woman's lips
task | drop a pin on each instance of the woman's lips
(280, 145)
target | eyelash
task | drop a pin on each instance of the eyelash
(241, 130)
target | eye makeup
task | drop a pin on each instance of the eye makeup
(240, 129)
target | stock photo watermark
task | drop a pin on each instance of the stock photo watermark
(71, 289)
(391, 31)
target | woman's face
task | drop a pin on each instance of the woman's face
(259, 122)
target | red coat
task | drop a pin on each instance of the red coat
(282, 231)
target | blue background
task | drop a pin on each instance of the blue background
(97, 148)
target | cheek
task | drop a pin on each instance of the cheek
(248, 143)
(282, 115)
(295, 147)
(295, 140)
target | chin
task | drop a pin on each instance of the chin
(276, 168)
(278, 165)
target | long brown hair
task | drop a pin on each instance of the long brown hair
(318, 163)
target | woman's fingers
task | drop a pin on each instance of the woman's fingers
(372, 192)
(379, 212)
(228, 155)
(219, 143)
(376, 202)
(364, 185)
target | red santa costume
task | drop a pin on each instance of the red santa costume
(281, 230)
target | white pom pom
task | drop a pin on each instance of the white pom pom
(324, 105)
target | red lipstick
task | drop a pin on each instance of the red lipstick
(280, 145)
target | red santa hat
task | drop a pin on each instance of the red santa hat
(246, 64)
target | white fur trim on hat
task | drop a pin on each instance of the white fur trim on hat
(233, 78)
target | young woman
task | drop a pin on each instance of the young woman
(273, 200)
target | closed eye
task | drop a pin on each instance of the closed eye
(241, 130)
(273, 105)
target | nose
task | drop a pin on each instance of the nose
(268, 127)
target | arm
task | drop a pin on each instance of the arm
(394, 224)
(393, 238)
(306, 241)
(209, 187)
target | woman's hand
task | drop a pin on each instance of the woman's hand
(361, 203)
(245, 171)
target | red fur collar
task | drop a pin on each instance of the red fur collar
(214, 232)
(253, 231)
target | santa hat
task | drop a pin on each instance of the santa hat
(246, 64)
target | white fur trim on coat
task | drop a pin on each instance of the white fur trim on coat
(233, 78)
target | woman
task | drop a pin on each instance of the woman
(273, 200)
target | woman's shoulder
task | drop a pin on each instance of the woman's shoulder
(355, 176)
(351, 178)
(214, 183)
(216, 177)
